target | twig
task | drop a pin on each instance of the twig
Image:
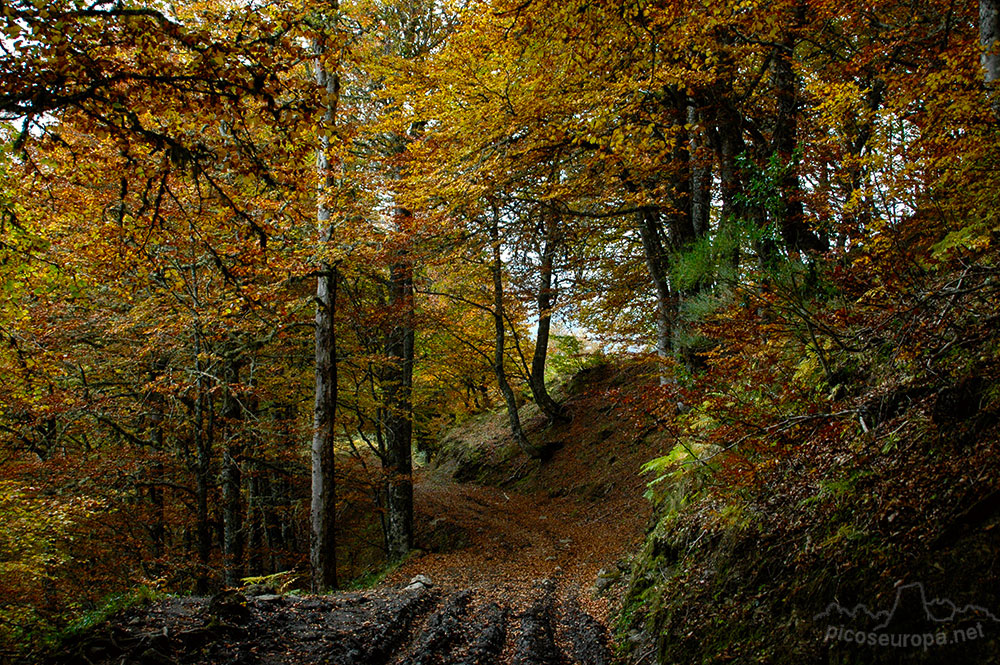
(788, 423)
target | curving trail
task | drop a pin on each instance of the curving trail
(510, 578)
(514, 584)
(511, 540)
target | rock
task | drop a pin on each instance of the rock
(419, 583)
(254, 590)
(270, 599)
(606, 578)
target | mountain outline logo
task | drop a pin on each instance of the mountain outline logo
(937, 610)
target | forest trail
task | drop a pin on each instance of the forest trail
(511, 580)
(501, 542)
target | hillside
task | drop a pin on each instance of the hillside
(844, 521)
(876, 513)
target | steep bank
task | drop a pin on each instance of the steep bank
(490, 517)
(845, 523)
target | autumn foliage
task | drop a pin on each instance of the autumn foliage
(787, 208)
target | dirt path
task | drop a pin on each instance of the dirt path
(512, 583)
(508, 577)
(508, 540)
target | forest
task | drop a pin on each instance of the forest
(315, 296)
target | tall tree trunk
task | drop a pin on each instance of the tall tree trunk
(253, 523)
(203, 451)
(157, 530)
(232, 514)
(650, 231)
(397, 379)
(989, 38)
(546, 293)
(730, 147)
(398, 382)
(689, 221)
(701, 176)
(795, 233)
(323, 507)
(513, 417)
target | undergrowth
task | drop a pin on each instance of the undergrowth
(831, 456)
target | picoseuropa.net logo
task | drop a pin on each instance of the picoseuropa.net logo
(913, 622)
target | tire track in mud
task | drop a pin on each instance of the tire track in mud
(417, 626)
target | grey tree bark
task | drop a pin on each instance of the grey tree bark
(546, 294)
(701, 176)
(158, 527)
(650, 232)
(989, 38)
(203, 462)
(232, 478)
(398, 384)
(323, 505)
(729, 146)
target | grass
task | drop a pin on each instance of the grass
(107, 608)
(372, 577)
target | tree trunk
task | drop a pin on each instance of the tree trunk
(730, 146)
(795, 234)
(323, 507)
(701, 176)
(322, 550)
(513, 417)
(158, 529)
(650, 230)
(989, 36)
(203, 451)
(398, 382)
(546, 293)
(253, 524)
(232, 514)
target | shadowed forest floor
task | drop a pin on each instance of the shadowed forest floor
(513, 568)
(515, 539)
